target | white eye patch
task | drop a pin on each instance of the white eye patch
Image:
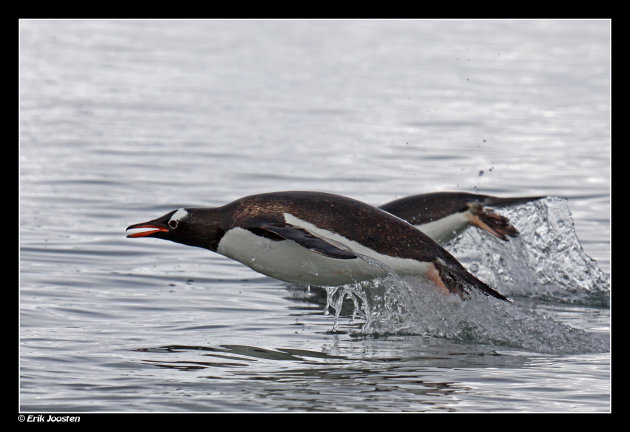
(177, 216)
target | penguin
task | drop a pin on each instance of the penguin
(315, 238)
(444, 215)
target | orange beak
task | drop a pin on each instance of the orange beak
(145, 233)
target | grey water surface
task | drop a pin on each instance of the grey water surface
(124, 120)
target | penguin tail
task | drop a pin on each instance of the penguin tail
(459, 281)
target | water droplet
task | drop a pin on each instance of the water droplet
(474, 268)
(481, 173)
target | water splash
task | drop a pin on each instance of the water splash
(370, 298)
(546, 262)
(394, 306)
(335, 297)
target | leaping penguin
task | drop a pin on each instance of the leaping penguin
(315, 238)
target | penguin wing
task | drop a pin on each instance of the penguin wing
(308, 240)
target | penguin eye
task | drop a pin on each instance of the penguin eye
(173, 224)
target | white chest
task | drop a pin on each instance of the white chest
(447, 228)
(290, 262)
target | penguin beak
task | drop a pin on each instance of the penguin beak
(151, 224)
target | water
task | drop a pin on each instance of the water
(122, 121)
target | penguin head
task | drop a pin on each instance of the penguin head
(192, 227)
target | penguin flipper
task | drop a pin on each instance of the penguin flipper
(307, 240)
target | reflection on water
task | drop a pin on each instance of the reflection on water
(349, 376)
(424, 352)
